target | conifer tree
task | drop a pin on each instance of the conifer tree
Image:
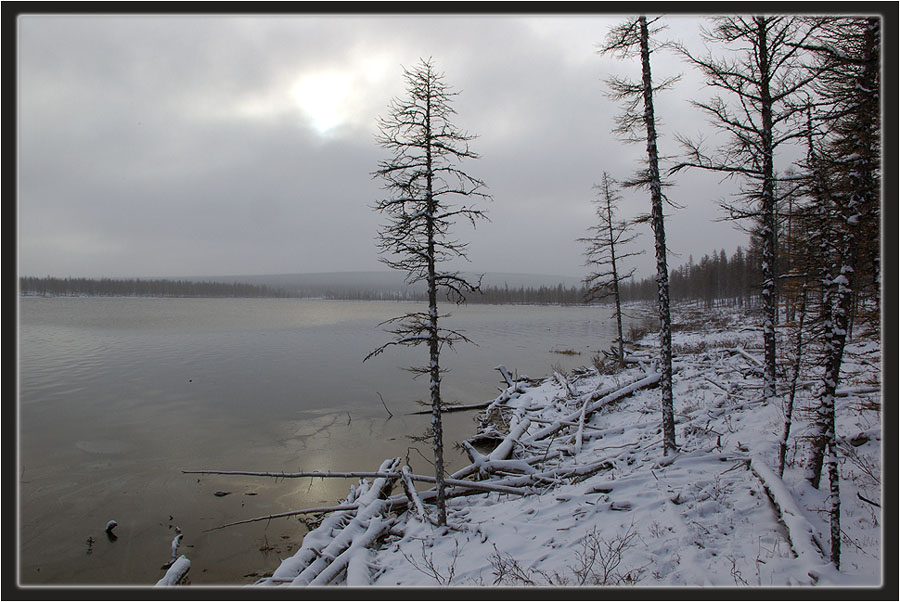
(638, 124)
(761, 79)
(604, 254)
(424, 182)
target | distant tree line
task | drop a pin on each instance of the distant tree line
(136, 287)
(714, 281)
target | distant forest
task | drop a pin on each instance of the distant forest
(714, 280)
(135, 287)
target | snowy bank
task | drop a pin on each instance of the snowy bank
(596, 502)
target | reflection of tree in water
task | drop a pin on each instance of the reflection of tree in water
(312, 426)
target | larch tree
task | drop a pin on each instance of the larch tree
(424, 182)
(845, 175)
(761, 79)
(638, 124)
(604, 254)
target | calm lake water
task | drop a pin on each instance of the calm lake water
(118, 396)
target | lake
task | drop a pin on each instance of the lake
(118, 395)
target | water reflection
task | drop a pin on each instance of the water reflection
(117, 396)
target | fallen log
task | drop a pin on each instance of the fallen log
(319, 510)
(412, 494)
(802, 535)
(740, 351)
(354, 554)
(505, 373)
(176, 573)
(565, 384)
(596, 401)
(484, 465)
(579, 434)
(446, 409)
(381, 474)
(314, 540)
(370, 506)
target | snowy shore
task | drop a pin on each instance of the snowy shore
(619, 512)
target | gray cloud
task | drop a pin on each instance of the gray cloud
(167, 146)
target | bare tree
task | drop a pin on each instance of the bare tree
(762, 77)
(632, 38)
(604, 252)
(423, 178)
(845, 175)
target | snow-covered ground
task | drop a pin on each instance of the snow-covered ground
(713, 514)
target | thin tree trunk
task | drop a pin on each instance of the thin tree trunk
(834, 505)
(789, 410)
(615, 274)
(769, 273)
(434, 340)
(662, 272)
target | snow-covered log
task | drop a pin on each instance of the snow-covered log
(739, 351)
(362, 526)
(565, 384)
(579, 434)
(595, 401)
(316, 539)
(355, 554)
(176, 572)
(412, 494)
(483, 465)
(803, 538)
(505, 373)
(516, 429)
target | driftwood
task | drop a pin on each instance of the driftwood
(564, 382)
(339, 546)
(460, 488)
(410, 489)
(321, 566)
(446, 409)
(315, 539)
(176, 573)
(595, 401)
(176, 542)
(381, 474)
(505, 373)
(319, 510)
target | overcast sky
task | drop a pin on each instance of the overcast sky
(218, 145)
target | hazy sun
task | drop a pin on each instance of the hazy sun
(324, 98)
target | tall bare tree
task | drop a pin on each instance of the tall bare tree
(604, 253)
(638, 124)
(423, 179)
(845, 178)
(761, 78)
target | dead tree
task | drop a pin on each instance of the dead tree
(604, 253)
(762, 77)
(847, 172)
(635, 125)
(423, 179)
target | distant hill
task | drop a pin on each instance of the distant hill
(380, 283)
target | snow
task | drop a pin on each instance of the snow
(176, 572)
(715, 513)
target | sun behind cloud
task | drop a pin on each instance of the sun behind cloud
(325, 98)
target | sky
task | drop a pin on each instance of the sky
(211, 145)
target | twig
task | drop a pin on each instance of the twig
(876, 504)
(390, 414)
(319, 510)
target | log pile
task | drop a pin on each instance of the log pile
(519, 462)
